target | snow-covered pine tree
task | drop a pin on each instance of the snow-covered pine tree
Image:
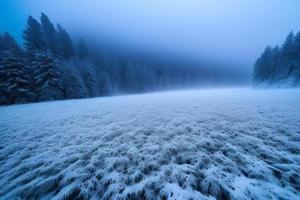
(8, 43)
(49, 35)
(14, 80)
(73, 84)
(65, 43)
(89, 76)
(47, 77)
(112, 68)
(33, 37)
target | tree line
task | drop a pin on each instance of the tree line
(280, 65)
(51, 66)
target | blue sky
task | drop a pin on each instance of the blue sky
(225, 30)
(12, 17)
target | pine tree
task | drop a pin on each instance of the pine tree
(14, 80)
(73, 84)
(130, 81)
(297, 43)
(288, 47)
(8, 43)
(82, 50)
(263, 66)
(49, 35)
(280, 66)
(47, 77)
(275, 64)
(3, 50)
(288, 57)
(1, 43)
(104, 84)
(149, 77)
(116, 76)
(33, 37)
(141, 77)
(65, 43)
(296, 69)
(88, 74)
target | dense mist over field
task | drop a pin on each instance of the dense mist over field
(229, 34)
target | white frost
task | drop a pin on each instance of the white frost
(205, 144)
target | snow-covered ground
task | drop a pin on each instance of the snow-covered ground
(205, 144)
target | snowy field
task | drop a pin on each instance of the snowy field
(202, 144)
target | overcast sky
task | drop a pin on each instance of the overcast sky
(225, 30)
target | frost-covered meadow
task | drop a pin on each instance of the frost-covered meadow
(197, 144)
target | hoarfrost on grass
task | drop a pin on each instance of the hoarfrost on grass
(206, 144)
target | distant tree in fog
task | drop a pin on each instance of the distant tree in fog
(65, 43)
(73, 83)
(130, 81)
(82, 50)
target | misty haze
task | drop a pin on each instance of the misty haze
(146, 100)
